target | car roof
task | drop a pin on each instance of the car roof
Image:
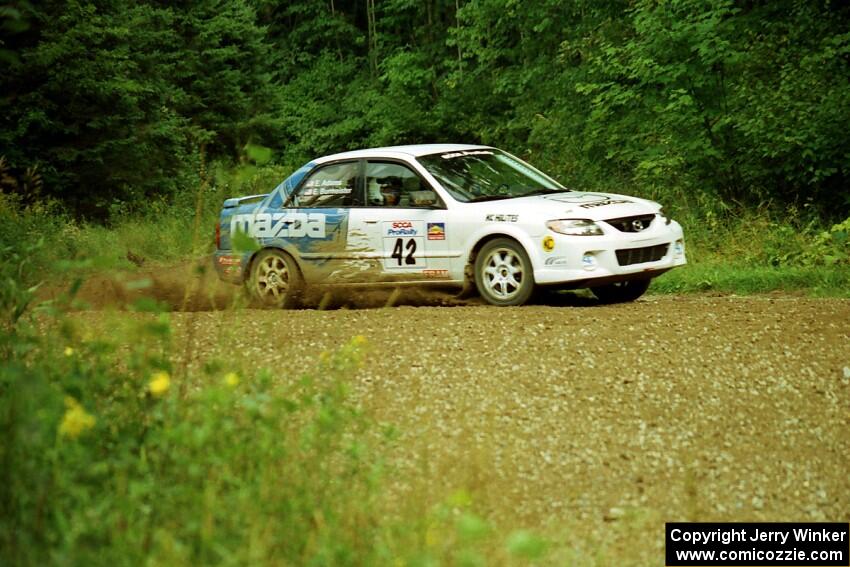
(414, 150)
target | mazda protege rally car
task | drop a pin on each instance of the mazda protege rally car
(446, 214)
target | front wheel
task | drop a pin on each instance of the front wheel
(275, 280)
(620, 292)
(503, 273)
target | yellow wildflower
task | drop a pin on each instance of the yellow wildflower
(432, 535)
(358, 340)
(76, 419)
(231, 379)
(159, 384)
(69, 351)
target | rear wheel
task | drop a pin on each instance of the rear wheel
(503, 273)
(275, 280)
(620, 292)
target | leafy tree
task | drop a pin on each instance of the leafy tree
(111, 99)
(223, 69)
(722, 101)
(741, 103)
(89, 101)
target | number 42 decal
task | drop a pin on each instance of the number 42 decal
(400, 247)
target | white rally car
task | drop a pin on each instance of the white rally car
(447, 214)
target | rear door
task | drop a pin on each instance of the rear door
(313, 223)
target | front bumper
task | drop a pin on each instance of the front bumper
(587, 259)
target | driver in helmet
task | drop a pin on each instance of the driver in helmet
(391, 191)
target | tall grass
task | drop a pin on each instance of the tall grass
(152, 232)
(760, 251)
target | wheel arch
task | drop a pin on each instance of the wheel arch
(482, 240)
(246, 273)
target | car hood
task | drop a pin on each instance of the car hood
(574, 204)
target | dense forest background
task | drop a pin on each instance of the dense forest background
(736, 104)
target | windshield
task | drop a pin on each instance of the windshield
(487, 175)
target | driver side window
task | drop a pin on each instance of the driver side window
(394, 185)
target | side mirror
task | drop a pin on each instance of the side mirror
(423, 198)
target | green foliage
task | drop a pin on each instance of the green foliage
(734, 278)
(830, 247)
(158, 231)
(759, 252)
(742, 103)
(136, 466)
(694, 91)
(526, 544)
(115, 454)
(260, 155)
(240, 243)
(88, 104)
(111, 100)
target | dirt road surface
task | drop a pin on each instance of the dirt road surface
(593, 424)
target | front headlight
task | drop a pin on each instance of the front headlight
(575, 227)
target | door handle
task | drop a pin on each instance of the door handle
(371, 222)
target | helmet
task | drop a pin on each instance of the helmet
(391, 190)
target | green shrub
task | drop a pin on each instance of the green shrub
(830, 247)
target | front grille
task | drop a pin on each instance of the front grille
(631, 224)
(640, 255)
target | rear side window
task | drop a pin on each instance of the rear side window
(332, 186)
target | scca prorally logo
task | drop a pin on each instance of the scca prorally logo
(401, 228)
(280, 225)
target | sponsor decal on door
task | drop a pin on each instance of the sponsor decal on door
(436, 231)
(404, 245)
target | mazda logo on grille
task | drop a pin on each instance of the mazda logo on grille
(637, 224)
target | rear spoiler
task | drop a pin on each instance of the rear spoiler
(236, 201)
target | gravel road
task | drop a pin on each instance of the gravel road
(593, 423)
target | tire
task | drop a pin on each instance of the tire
(275, 280)
(621, 292)
(503, 273)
